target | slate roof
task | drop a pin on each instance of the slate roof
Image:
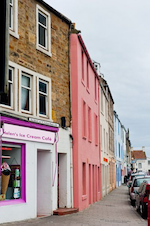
(138, 154)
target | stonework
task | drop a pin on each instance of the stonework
(23, 52)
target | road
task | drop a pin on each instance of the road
(113, 210)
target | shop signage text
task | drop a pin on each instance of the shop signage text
(25, 133)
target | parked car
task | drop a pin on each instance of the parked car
(141, 197)
(131, 179)
(137, 180)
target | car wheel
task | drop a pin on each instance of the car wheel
(132, 202)
(144, 211)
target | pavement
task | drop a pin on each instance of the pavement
(113, 210)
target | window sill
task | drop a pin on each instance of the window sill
(14, 34)
(84, 137)
(90, 141)
(6, 106)
(82, 81)
(87, 89)
(12, 202)
(47, 52)
(84, 197)
(95, 101)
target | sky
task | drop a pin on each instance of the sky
(117, 35)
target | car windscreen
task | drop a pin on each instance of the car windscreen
(138, 182)
(140, 175)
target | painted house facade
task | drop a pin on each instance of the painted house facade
(85, 125)
(118, 149)
(33, 144)
(104, 138)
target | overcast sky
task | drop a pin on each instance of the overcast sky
(117, 35)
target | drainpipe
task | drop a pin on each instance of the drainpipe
(70, 123)
(4, 15)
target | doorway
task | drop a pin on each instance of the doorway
(44, 184)
(62, 180)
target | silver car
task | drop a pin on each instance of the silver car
(137, 180)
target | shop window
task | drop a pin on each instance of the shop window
(26, 92)
(43, 94)
(12, 179)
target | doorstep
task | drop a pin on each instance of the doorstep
(65, 211)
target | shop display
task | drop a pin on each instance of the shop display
(5, 177)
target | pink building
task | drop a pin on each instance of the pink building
(85, 126)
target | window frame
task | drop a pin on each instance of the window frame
(14, 29)
(23, 175)
(49, 107)
(47, 49)
(30, 90)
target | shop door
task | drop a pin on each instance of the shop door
(44, 182)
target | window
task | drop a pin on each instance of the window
(82, 64)
(13, 156)
(11, 15)
(89, 125)
(84, 119)
(9, 99)
(99, 179)
(140, 165)
(95, 81)
(43, 94)
(104, 141)
(101, 140)
(25, 92)
(83, 178)
(148, 162)
(96, 129)
(43, 31)
(87, 75)
(101, 100)
(13, 18)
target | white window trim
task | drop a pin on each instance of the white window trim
(14, 31)
(48, 38)
(49, 107)
(30, 90)
(32, 74)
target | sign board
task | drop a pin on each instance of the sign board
(25, 133)
(43, 122)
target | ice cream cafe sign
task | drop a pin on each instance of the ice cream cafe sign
(25, 133)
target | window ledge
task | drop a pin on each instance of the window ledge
(95, 101)
(84, 137)
(6, 106)
(82, 81)
(12, 202)
(84, 197)
(47, 52)
(87, 89)
(90, 141)
(13, 33)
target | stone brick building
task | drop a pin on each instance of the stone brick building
(38, 102)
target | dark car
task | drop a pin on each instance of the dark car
(142, 198)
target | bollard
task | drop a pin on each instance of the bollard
(148, 199)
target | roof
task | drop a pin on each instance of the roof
(138, 154)
(61, 16)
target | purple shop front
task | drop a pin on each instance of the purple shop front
(30, 150)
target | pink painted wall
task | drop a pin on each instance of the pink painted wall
(85, 150)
